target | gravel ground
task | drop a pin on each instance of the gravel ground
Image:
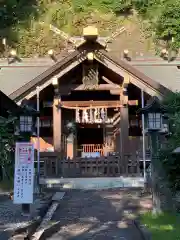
(10, 214)
(100, 215)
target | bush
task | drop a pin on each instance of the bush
(144, 7)
(168, 23)
(171, 162)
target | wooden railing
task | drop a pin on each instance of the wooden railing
(90, 167)
(91, 148)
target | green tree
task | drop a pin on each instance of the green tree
(148, 7)
(7, 144)
(171, 162)
(168, 24)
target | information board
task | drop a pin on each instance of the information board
(24, 173)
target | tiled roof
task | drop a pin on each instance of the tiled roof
(15, 75)
(166, 73)
(122, 63)
(168, 76)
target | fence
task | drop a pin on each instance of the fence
(52, 166)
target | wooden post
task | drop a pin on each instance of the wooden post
(124, 124)
(57, 123)
(70, 146)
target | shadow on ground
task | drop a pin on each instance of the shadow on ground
(101, 214)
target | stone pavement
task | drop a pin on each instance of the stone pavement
(100, 215)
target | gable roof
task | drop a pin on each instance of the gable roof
(15, 75)
(166, 73)
(39, 72)
(44, 76)
(137, 73)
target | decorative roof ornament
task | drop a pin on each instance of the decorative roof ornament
(90, 76)
(90, 33)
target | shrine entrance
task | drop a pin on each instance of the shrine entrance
(90, 140)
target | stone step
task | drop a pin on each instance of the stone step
(93, 183)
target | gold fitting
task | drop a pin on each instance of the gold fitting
(54, 81)
(90, 56)
(90, 33)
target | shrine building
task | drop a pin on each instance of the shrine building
(88, 99)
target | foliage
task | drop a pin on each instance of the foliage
(168, 24)
(148, 7)
(7, 142)
(171, 162)
(164, 16)
(7, 185)
(162, 226)
(13, 11)
(25, 24)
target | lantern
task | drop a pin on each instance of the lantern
(27, 121)
(154, 116)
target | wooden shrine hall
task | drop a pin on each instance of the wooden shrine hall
(88, 104)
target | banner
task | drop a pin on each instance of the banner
(24, 173)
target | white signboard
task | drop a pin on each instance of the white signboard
(90, 154)
(24, 173)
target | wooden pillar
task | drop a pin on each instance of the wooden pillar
(124, 126)
(124, 129)
(70, 146)
(57, 126)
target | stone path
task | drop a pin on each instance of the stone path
(99, 215)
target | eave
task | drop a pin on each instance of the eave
(136, 77)
(73, 59)
(44, 77)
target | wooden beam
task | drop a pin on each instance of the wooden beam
(49, 81)
(108, 81)
(99, 87)
(133, 79)
(65, 90)
(133, 102)
(108, 104)
(126, 80)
